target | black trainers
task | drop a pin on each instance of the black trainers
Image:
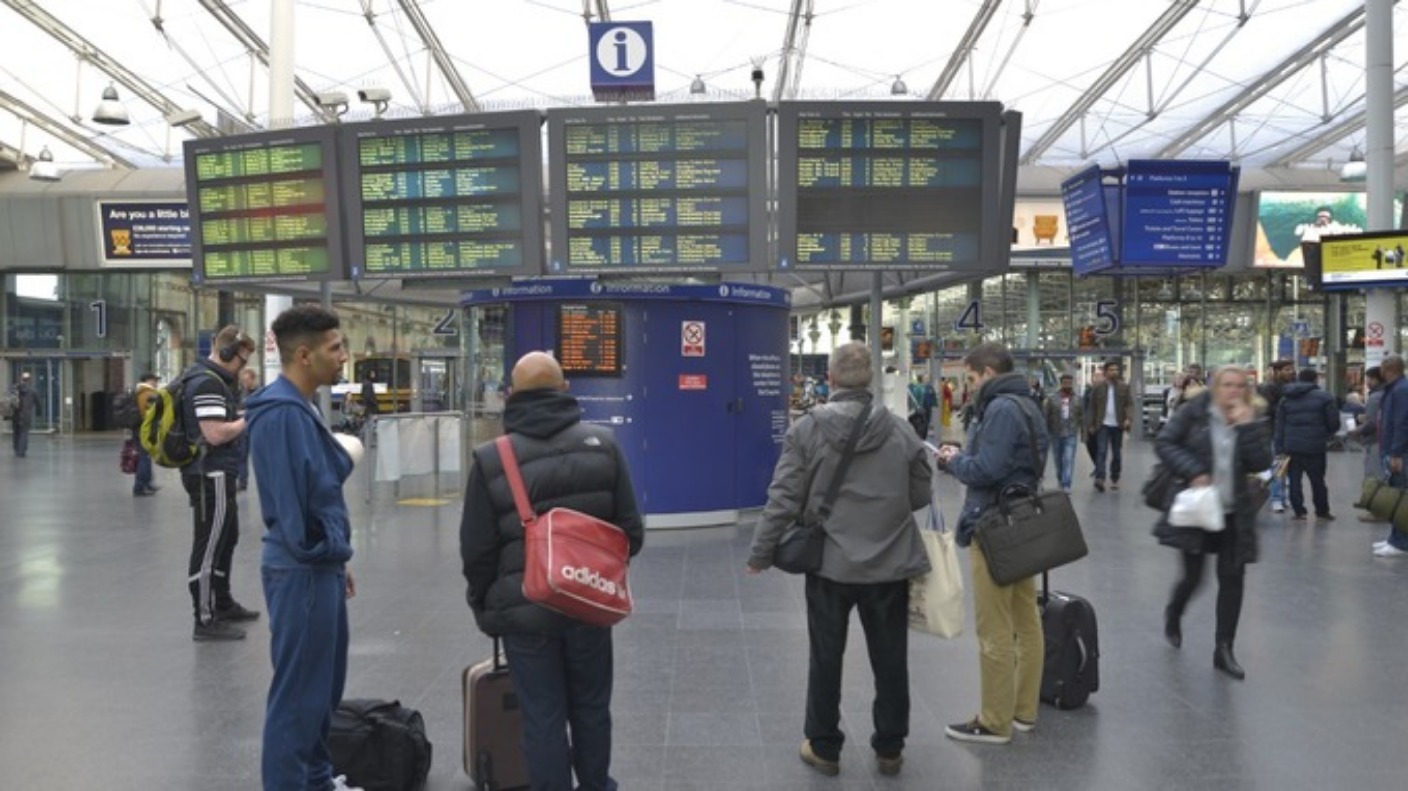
(810, 758)
(236, 612)
(1099, 485)
(889, 765)
(973, 731)
(216, 630)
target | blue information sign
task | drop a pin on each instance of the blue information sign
(1177, 213)
(623, 61)
(1087, 221)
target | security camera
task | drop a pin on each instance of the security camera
(332, 98)
(374, 95)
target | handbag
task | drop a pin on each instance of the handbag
(936, 598)
(1160, 487)
(1026, 533)
(1197, 506)
(574, 563)
(1385, 502)
(800, 549)
(127, 458)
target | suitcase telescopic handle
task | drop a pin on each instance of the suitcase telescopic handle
(500, 661)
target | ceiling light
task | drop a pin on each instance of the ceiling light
(898, 88)
(1355, 169)
(110, 111)
(43, 167)
(698, 87)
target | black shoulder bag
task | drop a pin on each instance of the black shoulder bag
(800, 549)
(1026, 533)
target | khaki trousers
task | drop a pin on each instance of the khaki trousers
(1011, 648)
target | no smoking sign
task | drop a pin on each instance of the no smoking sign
(691, 339)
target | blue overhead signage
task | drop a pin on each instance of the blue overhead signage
(578, 288)
(1088, 222)
(144, 233)
(1177, 214)
(623, 61)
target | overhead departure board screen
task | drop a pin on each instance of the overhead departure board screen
(445, 196)
(889, 185)
(265, 207)
(589, 338)
(658, 189)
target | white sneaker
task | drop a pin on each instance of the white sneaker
(1278, 508)
(339, 783)
(1381, 543)
(1388, 551)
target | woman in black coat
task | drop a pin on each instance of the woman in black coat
(1216, 439)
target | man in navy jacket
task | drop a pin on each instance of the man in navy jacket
(300, 468)
(1306, 418)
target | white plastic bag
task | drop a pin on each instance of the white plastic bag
(1197, 506)
(936, 598)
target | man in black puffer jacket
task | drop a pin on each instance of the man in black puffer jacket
(1306, 418)
(562, 668)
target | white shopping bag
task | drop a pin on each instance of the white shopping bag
(1197, 506)
(936, 598)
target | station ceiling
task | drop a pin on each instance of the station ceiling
(1275, 85)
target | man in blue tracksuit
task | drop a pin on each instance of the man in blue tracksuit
(300, 468)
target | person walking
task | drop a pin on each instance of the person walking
(1064, 424)
(22, 419)
(1006, 436)
(1369, 432)
(142, 483)
(301, 468)
(1215, 440)
(1283, 372)
(210, 417)
(873, 549)
(249, 383)
(562, 668)
(1111, 409)
(1306, 418)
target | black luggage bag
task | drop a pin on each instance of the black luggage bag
(380, 745)
(1072, 668)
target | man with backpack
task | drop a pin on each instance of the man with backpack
(141, 399)
(210, 416)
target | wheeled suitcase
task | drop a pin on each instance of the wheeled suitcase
(493, 727)
(1072, 668)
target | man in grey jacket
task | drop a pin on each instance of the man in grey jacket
(873, 548)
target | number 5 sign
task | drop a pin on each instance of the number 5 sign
(1107, 317)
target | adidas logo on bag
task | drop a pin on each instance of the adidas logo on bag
(593, 578)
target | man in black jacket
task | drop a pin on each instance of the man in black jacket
(562, 668)
(1283, 372)
(1306, 418)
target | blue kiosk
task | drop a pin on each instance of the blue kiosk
(692, 378)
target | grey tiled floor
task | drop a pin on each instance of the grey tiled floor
(101, 686)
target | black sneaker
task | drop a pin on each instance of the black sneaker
(236, 612)
(216, 630)
(889, 765)
(1099, 485)
(973, 731)
(810, 758)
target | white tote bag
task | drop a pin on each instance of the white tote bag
(1197, 506)
(936, 598)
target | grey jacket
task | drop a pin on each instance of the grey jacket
(871, 535)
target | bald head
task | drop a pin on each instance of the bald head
(537, 371)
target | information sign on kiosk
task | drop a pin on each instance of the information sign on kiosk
(265, 206)
(445, 196)
(910, 185)
(658, 189)
(1364, 260)
(589, 338)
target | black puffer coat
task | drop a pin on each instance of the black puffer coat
(565, 463)
(1185, 446)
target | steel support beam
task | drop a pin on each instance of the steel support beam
(423, 28)
(964, 50)
(1335, 133)
(789, 73)
(1305, 56)
(59, 129)
(1177, 10)
(256, 46)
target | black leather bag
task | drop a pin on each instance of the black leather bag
(803, 544)
(1025, 533)
(1161, 487)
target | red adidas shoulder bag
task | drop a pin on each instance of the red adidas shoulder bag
(574, 563)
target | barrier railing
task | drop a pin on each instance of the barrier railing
(415, 445)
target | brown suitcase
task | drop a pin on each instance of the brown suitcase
(493, 727)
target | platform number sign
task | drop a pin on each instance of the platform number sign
(972, 318)
(1107, 317)
(100, 313)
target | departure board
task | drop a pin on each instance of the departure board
(889, 185)
(658, 189)
(589, 338)
(265, 207)
(446, 196)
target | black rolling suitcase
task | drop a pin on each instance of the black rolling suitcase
(1072, 668)
(493, 727)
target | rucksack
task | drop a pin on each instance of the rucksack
(10, 405)
(163, 431)
(379, 745)
(125, 412)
